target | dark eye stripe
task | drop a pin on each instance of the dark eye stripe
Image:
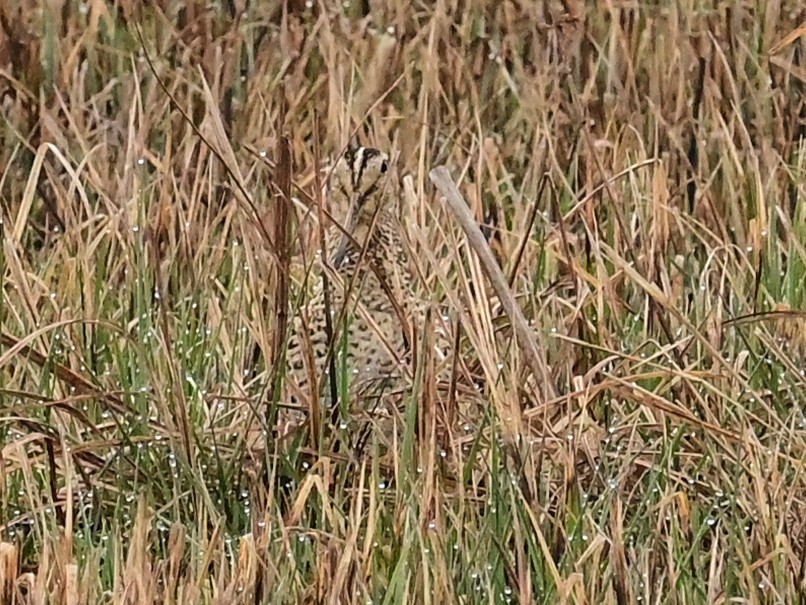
(356, 164)
(365, 155)
(349, 155)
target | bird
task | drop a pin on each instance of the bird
(367, 295)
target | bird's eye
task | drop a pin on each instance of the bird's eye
(384, 167)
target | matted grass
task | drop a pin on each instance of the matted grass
(642, 170)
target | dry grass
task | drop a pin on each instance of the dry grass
(642, 170)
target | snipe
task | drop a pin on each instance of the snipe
(370, 298)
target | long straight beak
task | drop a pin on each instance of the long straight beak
(344, 242)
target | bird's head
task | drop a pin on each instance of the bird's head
(360, 183)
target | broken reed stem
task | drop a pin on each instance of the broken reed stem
(523, 334)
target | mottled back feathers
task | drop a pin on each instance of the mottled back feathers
(370, 263)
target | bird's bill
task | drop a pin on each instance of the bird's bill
(349, 226)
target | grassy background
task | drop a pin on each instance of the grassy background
(642, 170)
